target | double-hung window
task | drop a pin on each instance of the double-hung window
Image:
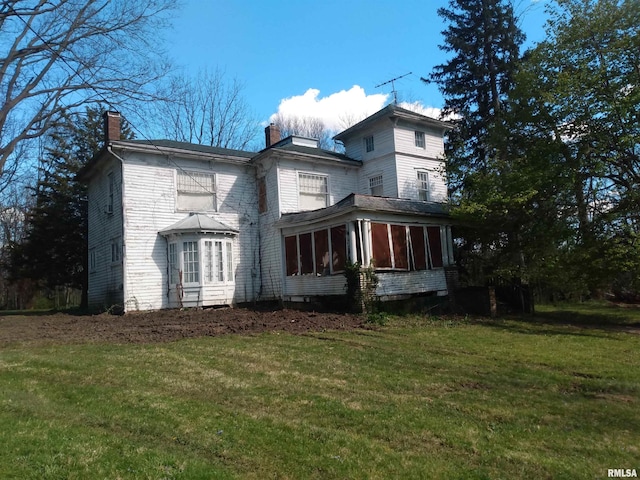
(196, 191)
(314, 191)
(375, 186)
(422, 185)
(368, 143)
(419, 137)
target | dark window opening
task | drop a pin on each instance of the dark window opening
(380, 248)
(418, 257)
(400, 250)
(306, 254)
(291, 254)
(338, 247)
(321, 239)
(435, 247)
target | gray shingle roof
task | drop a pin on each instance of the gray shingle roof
(188, 146)
(356, 202)
(197, 223)
(393, 111)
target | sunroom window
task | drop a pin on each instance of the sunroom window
(200, 261)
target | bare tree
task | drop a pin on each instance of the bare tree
(311, 127)
(209, 110)
(58, 55)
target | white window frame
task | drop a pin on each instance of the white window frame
(419, 138)
(369, 145)
(196, 184)
(422, 185)
(190, 262)
(306, 190)
(376, 185)
(174, 263)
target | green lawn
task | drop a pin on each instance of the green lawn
(418, 398)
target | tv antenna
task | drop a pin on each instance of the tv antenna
(393, 86)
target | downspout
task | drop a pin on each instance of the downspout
(124, 251)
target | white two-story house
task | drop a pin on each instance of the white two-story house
(174, 224)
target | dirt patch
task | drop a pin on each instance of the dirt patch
(165, 325)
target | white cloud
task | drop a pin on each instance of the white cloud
(338, 110)
(418, 107)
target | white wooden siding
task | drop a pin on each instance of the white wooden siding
(384, 166)
(405, 142)
(270, 258)
(105, 280)
(311, 285)
(342, 181)
(400, 283)
(150, 207)
(407, 168)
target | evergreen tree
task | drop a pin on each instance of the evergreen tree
(484, 40)
(54, 252)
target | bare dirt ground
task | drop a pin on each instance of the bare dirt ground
(165, 325)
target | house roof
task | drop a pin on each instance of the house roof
(197, 223)
(190, 147)
(366, 203)
(393, 112)
(291, 149)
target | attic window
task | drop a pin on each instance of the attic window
(368, 143)
(419, 139)
(196, 191)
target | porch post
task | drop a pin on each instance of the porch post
(351, 230)
(366, 242)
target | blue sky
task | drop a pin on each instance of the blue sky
(280, 49)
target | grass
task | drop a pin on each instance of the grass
(418, 398)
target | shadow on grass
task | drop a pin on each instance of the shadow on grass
(574, 319)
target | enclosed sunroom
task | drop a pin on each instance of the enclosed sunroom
(407, 242)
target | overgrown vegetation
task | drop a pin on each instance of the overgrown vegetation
(544, 157)
(361, 291)
(420, 398)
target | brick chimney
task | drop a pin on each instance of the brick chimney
(111, 126)
(271, 134)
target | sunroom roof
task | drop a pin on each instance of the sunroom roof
(198, 223)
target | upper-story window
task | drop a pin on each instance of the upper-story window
(262, 195)
(314, 191)
(422, 184)
(196, 191)
(368, 143)
(419, 136)
(375, 186)
(111, 190)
